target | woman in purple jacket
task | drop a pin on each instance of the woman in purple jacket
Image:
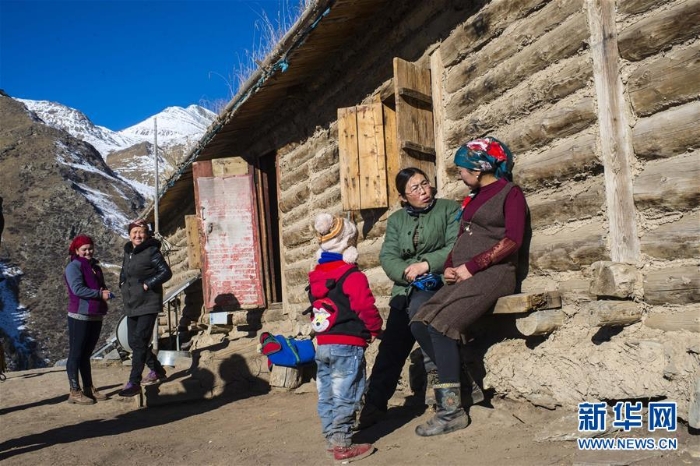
(87, 305)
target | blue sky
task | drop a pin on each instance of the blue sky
(121, 61)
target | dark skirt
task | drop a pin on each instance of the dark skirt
(456, 307)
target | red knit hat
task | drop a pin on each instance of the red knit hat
(139, 224)
(80, 240)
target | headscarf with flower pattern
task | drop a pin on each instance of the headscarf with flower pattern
(486, 154)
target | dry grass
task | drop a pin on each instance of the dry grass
(268, 32)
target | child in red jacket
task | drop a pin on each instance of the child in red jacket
(353, 321)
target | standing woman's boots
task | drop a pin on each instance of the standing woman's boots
(77, 396)
(450, 415)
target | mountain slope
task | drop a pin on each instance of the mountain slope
(55, 186)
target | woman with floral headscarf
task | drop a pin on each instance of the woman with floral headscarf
(480, 269)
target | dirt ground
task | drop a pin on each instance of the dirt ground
(273, 427)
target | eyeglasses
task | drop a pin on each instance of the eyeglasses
(424, 185)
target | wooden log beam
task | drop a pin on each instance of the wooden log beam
(506, 45)
(569, 250)
(562, 42)
(633, 7)
(615, 138)
(566, 159)
(540, 322)
(675, 240)
(559, 121)
(656, 32)
(614, 313)
(673, 285)
(613, 279)
(480, 28)
(666, 81)
(565, 78)
(679, 321)
(673, 184)
(667, 133)
(437, 73)
(526, 302)
(580, 200)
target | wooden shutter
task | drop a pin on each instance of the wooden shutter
(414, 117)
(362, 157)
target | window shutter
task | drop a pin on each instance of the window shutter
(362, 157)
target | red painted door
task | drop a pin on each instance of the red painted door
(231, 275)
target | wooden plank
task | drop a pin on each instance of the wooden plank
(614, 313)
(675, 240)
(526, 302)
(437, 72)
(413, 147)
(615, 138)
(386, 92)
(412, 94)
(667, 133)
(673, 285)
(372, 159)
(540, 322)
(348, 158)
(414, 123)
(666, 81)
(194, 245)
(229, 166)
(679, 321)
(673, 184)
(391, 149)
(656, 32)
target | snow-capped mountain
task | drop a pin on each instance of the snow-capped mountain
(129, 152)
(176, 125)
(79, 125)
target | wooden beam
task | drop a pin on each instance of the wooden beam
(688, 321)
(194, 248)
(615, 138)
(415, 147)
(614, 313)
(415, 95)
(437, 72)
(540, 322)
(526, 302)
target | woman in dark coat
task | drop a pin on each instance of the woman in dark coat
(144, 271)
(87, 306)
(480, 269)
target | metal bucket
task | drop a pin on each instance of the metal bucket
(169, 357)
(122, 334)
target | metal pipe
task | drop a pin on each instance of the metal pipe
(155, 153)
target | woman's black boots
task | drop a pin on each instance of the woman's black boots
(450, 415)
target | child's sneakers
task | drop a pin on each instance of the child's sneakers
(352, 453)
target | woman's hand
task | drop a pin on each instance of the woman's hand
(145, 287)
(456, 274)
(416, 270)
(462, 273)
(105, 295)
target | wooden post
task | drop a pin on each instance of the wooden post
(285, 377)
(694, 408)
(615, 139)
(436, 73)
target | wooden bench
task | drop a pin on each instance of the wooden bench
(548, 317)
